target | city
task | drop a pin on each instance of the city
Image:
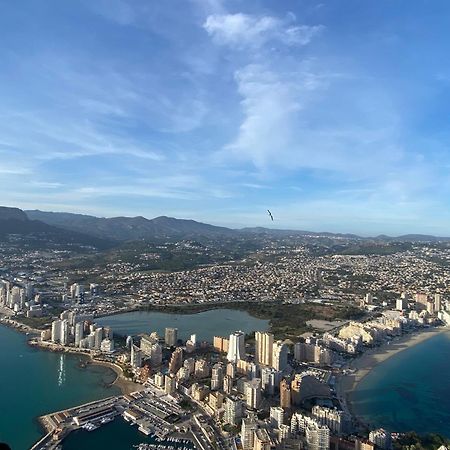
(224, 225)
(238, 391)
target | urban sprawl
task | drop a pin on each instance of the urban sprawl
(249, 392)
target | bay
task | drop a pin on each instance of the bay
(410, 390)
(35, 382)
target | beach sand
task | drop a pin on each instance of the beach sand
(362, 365)
(125, 385)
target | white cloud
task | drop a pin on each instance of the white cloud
(244, 30)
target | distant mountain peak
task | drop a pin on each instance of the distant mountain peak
(8, 213)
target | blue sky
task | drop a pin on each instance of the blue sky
(333, 114)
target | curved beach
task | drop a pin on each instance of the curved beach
(362, 365)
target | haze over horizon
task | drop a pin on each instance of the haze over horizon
(332, 115)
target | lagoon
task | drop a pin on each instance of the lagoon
(207, 324)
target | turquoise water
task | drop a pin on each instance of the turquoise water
(206, 324)
(410, 391)
(116, 435)
(34, 382)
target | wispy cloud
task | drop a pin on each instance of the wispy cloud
(244, 30)
(219, 109)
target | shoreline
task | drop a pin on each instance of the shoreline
(125, 385)
(362, 365)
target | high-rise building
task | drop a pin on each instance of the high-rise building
(98, 338)
(364, 444)
(171, 336)
(169, 385)
(129, 342)
(262, 440)
(437, 302)
(231, 370)
(189, 363)
(201, 368)
(421, 300)
(107, 345)
(270, 380)
(381, 438)
(227, 384)
(236, 347)
(176, 361)
(156, 355)
(285, 394)
(77, 292)
(284, 432)
(276, 416)
(182, 374)
(401, 304)
(263, 348)
(147, 343)
(136, 357)
(220, 344)
(217, 377)
(94, 289)
(160, 380)
(333, 418)
(215, 401)
(248, 429)
(317, 437)
(56, 331)
(279, 355)
(233, 410)
(79, 333)
(252, 393)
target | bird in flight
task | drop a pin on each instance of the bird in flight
(270, 214)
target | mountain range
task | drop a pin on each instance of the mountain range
(133, 228)
(104, 232)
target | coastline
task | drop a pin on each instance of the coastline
(126, 386)
(362, 365)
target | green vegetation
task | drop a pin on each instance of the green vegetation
(40, 323)
(187, 405)
(230, 428)
(414, 441)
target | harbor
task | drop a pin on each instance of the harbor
(151, 411)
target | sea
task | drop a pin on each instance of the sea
(410, 390)
(116, 435)
(35, 382)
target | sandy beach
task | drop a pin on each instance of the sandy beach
(362, 365)
(125, 385)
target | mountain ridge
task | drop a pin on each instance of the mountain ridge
(124, 228)
(14, 221)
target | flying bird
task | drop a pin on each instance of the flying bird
(270, 214)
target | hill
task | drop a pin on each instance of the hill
(14, 222)
(141, 228)
(129, 228)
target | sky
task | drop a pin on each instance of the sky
(335, 115)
